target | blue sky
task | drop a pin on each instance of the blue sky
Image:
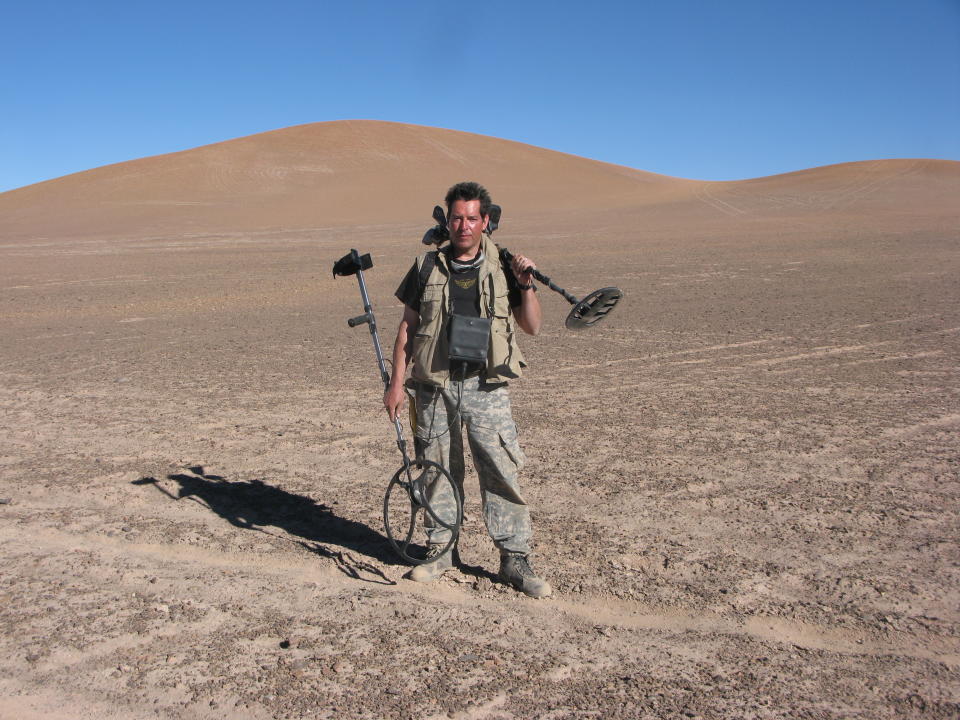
(706, 89)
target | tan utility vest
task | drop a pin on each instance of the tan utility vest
(430, 355)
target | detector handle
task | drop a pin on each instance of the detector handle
(508, 257)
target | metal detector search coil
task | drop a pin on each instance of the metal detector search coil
(593, 308)
(417, 481)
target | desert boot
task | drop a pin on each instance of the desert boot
(515, 569)
(435, 566)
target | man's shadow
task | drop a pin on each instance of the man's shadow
(255, 505)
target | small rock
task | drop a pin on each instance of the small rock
(482, 584)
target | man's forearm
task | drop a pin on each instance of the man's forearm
(402, 350)
(403, 347)
(528, 313)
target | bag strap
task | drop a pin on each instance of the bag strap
(429, 262)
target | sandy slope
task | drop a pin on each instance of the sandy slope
(745, 483)
(311, 177)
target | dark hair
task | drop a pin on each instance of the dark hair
(469, 191)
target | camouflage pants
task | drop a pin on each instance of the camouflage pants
(492, 434)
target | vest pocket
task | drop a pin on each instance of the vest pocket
(498, 361)
(430, 304)
(418, 341)
(501, 303)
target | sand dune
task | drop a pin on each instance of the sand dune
(374, 173)
(922, 187)
(320, 175)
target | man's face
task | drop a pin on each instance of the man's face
(466, 226)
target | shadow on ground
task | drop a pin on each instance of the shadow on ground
(256, 505)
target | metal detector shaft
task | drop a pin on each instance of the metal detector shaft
(508, 256)
(370, 319)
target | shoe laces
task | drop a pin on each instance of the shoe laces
(434, 551)
(522, 565)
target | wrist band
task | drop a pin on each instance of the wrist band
(525, 287)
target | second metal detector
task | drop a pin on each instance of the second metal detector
(417, 481)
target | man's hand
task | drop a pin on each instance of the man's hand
(392, 400)
(522, 267)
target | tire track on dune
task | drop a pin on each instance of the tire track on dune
(845, 194)
(814, 353)
(946, 422)
(861, 189)
(824, 351)
(91, 282)
(324, 580)
(306, 569)
(896, 358)
(896, 321)
(770, 629)
(706, 196)
(655, 357)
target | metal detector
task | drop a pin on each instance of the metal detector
(585, 313)
(417, 481)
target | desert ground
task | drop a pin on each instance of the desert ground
(744, 483)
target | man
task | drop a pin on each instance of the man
(468, 278)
